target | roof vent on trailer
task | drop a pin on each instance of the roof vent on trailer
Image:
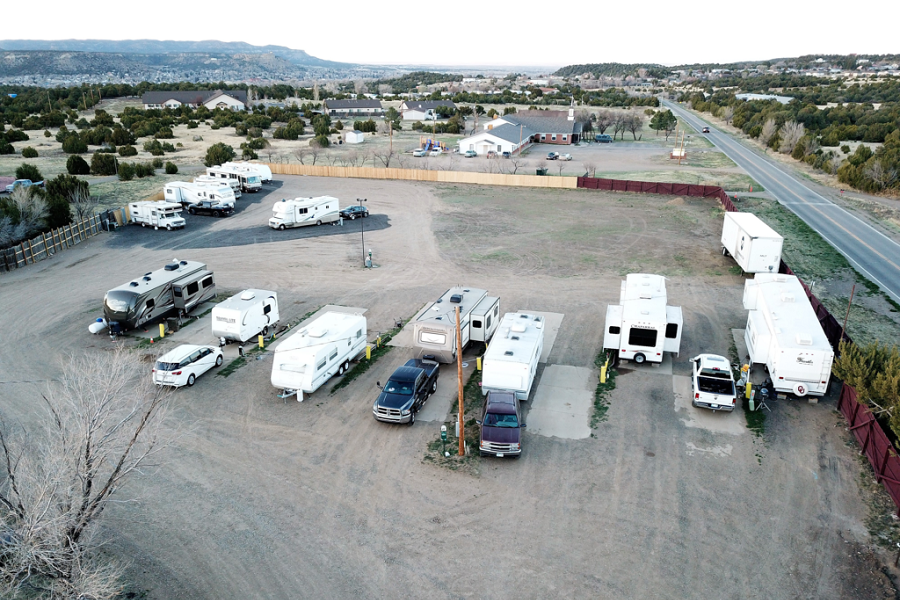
(508, 352)
(804, 339)
(518, 328)
(317, 333)
(182, 263)
(787, 298)
(456, 298)
(172, 267)
(133, 284)
(146, 278)
(514, 337)
(248, 295)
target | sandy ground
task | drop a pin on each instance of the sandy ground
(271, 499)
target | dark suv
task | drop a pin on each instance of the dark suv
(351, 212)
(501, 425)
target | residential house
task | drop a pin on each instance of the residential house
(504, 137)
(361, 107)
(230, 99)
(422, 110)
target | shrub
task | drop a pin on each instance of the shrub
(103, 164)
(77, 165)
(164, 134)
(247, 152)
(128, 150)
(47, 133)
(154, 147)
(157, 163)
(254, 132)
(256, 144)
(339, 126)
(144, 170)
(121, 136)
(29, 152)
(218, 154)
(845, 149)
(171, 168)
(73, 144)
(126, 171)
(27, 171)
(192, 125)
(321, 141)
(168, 147)
(82, 123)
(15, 135)
(110, 149)
(6, 147)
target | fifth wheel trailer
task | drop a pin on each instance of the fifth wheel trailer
(511, 360)
(435, 330)
(755, 246)
(179, 286)
(642, 327)
(311, 356)
(784, 334)
(245, 315)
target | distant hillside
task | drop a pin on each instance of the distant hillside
(613, 70)
(297, 57)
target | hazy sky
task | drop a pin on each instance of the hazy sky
(487, 33)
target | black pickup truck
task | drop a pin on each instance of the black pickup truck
(406, 391)
(210, 208)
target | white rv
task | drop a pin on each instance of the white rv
(435, 329)
(209, 179)
(304, 211)
(784, 334)
(246, 315)
(250, 182)
(641, 327)
(156, 214)
(308, 358)
(755, 246)
(264, 172)
(194, 193)
(511, 360)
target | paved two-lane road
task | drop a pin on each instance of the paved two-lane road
(872, 253)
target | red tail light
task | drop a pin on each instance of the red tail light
(697, 396)
(177, 373)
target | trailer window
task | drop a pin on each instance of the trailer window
(176, 291)
(614, 330)
(642, 337)
(672, 331)
(358, 333)
(193, 288)
(207, 282)
(476, 324)
(151, 303)
(487, 322)
(333, 355)
(432, 338)
(303, 211)
(267, 309)
(321, 365)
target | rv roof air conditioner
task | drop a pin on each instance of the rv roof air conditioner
(317, 333)
(456, 298)
(146, 278)
(248, 296)
(804, 339)
(518, 328)
(172, 267)
(133, 284)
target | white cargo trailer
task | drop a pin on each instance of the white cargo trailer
(234, 184)
(245, 315)
(156, 214)
(784, 334)
(755, 246)
(300, 212)
(642, 327)
(194, 193)
(511, 361)
(311, 356)
(435, 330)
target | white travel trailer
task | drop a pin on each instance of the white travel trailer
(209, 179)
(264, 172)
(311, 356)
(511, 360)
(304, 211)
(245, 315)
(250, 182)
(641, 327)
(755, 246)
(784, 334)
(156, 214)
(193, 193)
(435, 329)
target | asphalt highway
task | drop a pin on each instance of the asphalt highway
(871, 252)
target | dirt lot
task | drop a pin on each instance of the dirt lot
(271, 499)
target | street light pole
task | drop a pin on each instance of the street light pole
(362, 229)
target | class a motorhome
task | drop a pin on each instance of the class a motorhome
(300, 212)
(784, 334)
(312, 355)
(234, 184)
(435, 330)
(755, 246)
(186, 193)
(250, 181)
(245, 315)
(156, 214)
(642, 327)
(176, 288)
(511, 360)
(264, 172)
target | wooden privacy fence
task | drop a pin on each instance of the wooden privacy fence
(426, 175)
(47, 244)
(868, 431)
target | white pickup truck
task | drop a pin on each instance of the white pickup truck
(713, 383)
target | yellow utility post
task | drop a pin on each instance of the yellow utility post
(368, 352)
(604, 369)
(162, 330)
(378, 342)
(748, 390)
(261, 344)
(478, 363)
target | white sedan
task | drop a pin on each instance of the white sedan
(184, 364)
(420, 152)
(565, 157)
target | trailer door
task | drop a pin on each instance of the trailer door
(464, 330)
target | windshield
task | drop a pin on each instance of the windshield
(120, 301)
(253, 178)
(166, 366)
(495, 420)
(400, 388)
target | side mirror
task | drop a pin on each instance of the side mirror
(378, 384)
(478, 422)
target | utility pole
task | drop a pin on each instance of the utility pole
(462, 435)
(391, 135)
(362, 230)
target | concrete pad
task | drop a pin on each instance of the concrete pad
(443, 405)
(660, 368)
(552, 323)
(732, 423)
(562, 403)
(404, 338)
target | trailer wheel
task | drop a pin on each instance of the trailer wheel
(219, 360)
(319, 222)
(281, 227)
(143, 224)
(639, 358)
(191, 380)
(265, 331)
(341, 369)
(724, 251)
(156, 228)
(346, 365)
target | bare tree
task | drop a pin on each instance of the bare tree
(385, 156)
(301, 154)
(791, 133)
(360, 86)
(104, 421)
(83, 204)
(620, 124)
(516, 163)
(348, 159)
(590, 167)
(334, 158)
(385, 89)
(768, 132)
(31, 210)
(634, 123)
(728, 114)
(604, 119)
(812, 145)
(882, 177)
(834, 164)
(402, 160)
